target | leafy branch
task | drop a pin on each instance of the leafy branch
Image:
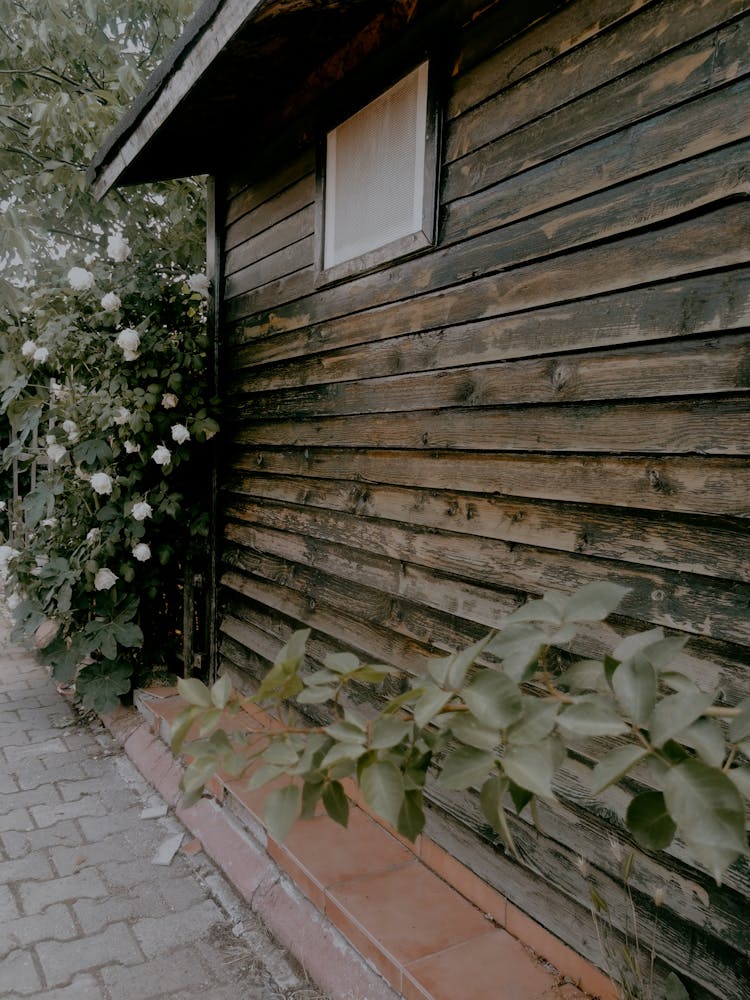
(494, 717)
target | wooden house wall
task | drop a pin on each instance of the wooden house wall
(557, 392)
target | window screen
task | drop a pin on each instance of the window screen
(375, 172)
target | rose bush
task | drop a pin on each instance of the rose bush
(90, 369)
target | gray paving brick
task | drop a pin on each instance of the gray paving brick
(115, 944)
(37, 896)
(34, 750)
(70, 859)
(83, 987)
(56, 922)
(34, 773)
(20, 975)
(16, 819)
(158, 935)
(30, 797)
(181, 970)
(145, 901)
(8, 905)
(18, 844)
(46, 815)
(97, 827)
(72, 790)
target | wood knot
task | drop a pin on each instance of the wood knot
(560, 376)
(425, 438)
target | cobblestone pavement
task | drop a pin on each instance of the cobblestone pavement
(85, 914)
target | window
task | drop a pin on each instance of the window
(379, 197)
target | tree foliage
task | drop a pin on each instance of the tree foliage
(102, 332)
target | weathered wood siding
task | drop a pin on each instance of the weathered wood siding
(556, 393)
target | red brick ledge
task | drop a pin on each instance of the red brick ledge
(424, 921)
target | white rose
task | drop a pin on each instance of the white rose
(169, 400)
(131, 448)
(49, 522)
(13, 601)
(129, 339)
(111, 302)
(27, 348)
(93, 535)
(199, 283)
(80, 279)
(104, 579)
(71, 429)
(162, 455)
(142, 552)
(180, 433)
(57, 390)
(118, 249)
(3, 506)
(141, 510)
(101, 483)
(56, 452)
(122, 415)
(40, 355)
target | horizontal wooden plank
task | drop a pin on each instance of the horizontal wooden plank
(243, 198)
(695, 368)
(382, 644)
(287, 232)
(654, 54)
(699, 485)
(676, 135)
(289, 201)
(666, 253)
(275, 294)
(704, 427)
(428, 613)
(705, 304)
(703, 547)
(692, 604)
(285, 261)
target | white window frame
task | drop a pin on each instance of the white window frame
(423, 221)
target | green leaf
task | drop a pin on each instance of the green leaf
(739, 726)
(585, 675)
(709, 813)
(311, 794)
(673, 988)
(741, 778)
(468, 729)
(316, 695)
(430, 703)
(37, 503)
(594, 602)
(541, 610)
(464, 767)
(210, 721)
(531, 768)
(450, 671)
(592, 716)
(100, 684)
(411, 818)
(537, 722)
(674, 713)
(93, 452)
(264, 774)
(387, 732)
(181, 726)
(342, 663)
(634, 644)
(341, 752)
(649, 821)
(614, 765)
(494, 699)
(707, 739)
(518, 645)
(336, 802)
(198, 772)
(371, 673)
(280, 811)
(280, 753)
(491, 800)
(383, 789)
(347, 732)
(520, 796)
(194, 691)
(221, 691)
(634, 683)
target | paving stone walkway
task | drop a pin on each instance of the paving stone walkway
(85, 913)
